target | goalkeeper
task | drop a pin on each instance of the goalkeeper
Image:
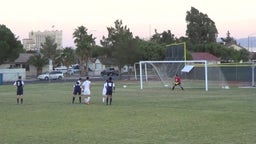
(177, 82)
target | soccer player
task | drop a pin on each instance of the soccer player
(87, 90)
(19, 84)
(104, 91)
(77, 90)
(110, 88)
(177, 82)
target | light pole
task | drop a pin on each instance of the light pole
(253, 76)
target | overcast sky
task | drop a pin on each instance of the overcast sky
(141, 16)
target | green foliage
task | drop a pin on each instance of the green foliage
(148, 116)
(49, 49)
(98, 51)
(38, 61)
(10, 46)
(121, 44)
(166, 37)
(151, 51)
(228, 40)
(200, 28)
(84, 43)
(68, 56)
(226, 54)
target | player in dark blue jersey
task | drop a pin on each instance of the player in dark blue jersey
(110, 87)
(77, 90)
(19, 84)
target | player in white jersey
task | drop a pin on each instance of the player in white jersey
(87, 90)
(104, 91)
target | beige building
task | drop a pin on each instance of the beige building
(36, 38)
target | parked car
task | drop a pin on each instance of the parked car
(51, 75)
(109, 72)
(63, 69)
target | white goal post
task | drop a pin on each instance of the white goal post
(187, 67)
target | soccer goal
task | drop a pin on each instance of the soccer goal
(194, 74)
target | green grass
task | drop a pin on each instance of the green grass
(149, 116)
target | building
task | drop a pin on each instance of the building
(236, 47)
(36, 39)
(211, 59)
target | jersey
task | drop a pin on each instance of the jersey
(86, 86)
(104, 90)
(77, 88)
(177, 80)
(109, 88)
(19, 84)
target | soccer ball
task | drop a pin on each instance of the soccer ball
(124, 86)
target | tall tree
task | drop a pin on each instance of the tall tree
(200, 28)
(10, 46)
(228, 40)
(49, 49)
(166, 37)
(121, 43)
(84, 43)
(39, 62)
(68, 57)
(150, 50)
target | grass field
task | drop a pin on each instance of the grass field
(149, 116)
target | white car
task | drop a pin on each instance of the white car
(52, 75)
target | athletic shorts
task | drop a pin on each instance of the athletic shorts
(109, 92)
(19, 91)
(87, 92)
(177, 83)
(77, 92)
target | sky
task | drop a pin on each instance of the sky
(142, 17)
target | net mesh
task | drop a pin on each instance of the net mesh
(160, 74)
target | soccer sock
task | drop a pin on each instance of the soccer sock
(73, 99)
(88, 99)
(85, 100)
(107, 101)
(103, 99)
(21, 100)
(80, 99)
(110, 101)
(18, 100)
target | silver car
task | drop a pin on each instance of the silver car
(52, 75)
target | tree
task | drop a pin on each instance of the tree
(84, 43)
(200, 28)
(67, 56)
(151, 50)
(49, 49)
(166, 37)
(243, 55)
(121, 44)
(228, 40)
(10, 46)
(39, 62)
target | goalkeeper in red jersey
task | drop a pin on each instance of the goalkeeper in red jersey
(177, 82)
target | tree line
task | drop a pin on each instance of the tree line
(121, 45)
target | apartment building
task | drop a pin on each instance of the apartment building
(37, 38)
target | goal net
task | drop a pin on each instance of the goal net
(194, 74)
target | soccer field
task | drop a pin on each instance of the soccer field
(148, 116)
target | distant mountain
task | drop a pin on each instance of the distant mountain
(245, 42)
